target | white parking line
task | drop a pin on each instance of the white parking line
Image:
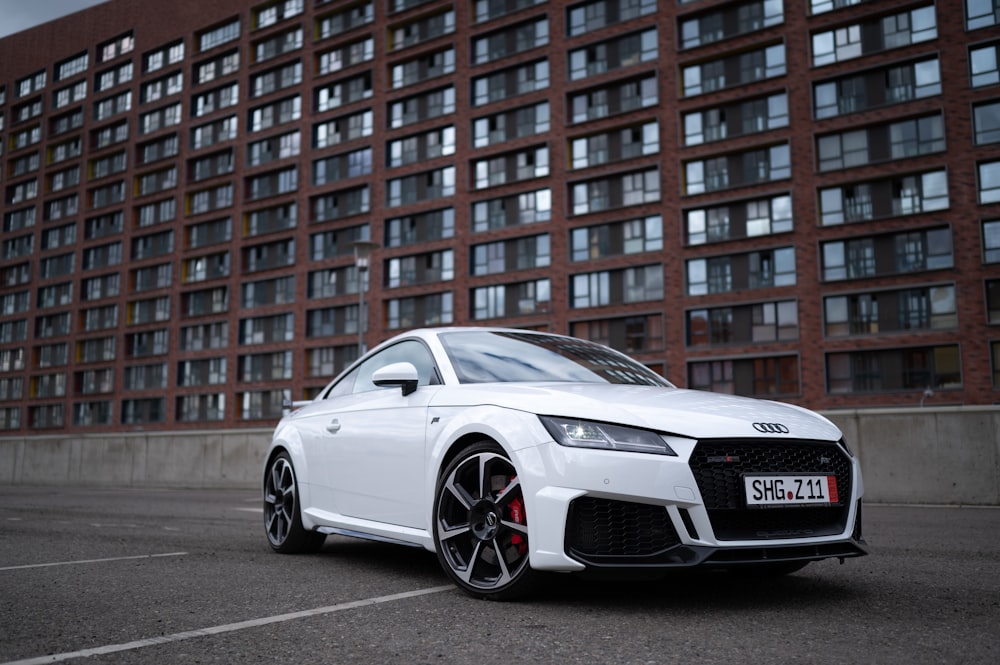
(74, 563)
(226, 628)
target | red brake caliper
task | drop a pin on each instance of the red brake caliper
(516, 507)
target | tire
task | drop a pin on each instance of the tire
(480, 525)
(282, 517)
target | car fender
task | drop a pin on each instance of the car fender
(515, 431)
(289, 439)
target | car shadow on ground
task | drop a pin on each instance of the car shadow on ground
(679, 588)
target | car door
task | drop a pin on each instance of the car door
(376, 444)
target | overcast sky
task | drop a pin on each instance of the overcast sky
(18, 15)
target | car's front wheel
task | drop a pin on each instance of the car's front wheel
(481, 528)
(282, 519)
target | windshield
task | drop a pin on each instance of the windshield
(496, 356)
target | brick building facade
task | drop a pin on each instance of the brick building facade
(798, 199)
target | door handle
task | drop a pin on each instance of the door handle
(333, 427)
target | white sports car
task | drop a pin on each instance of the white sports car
(509, 452)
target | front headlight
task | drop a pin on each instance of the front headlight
(576, 433)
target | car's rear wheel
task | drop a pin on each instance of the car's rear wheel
(282, 519)
(480, 525)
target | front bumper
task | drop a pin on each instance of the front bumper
(615, 510)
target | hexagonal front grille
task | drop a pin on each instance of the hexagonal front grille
(608, 528)
(719, 467)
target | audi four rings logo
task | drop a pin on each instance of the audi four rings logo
(770, 428)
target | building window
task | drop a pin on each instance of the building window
(420, 227)
(201, 408)
(486, 10)
(436, 309)
(424, 268)
(510, 41)
(738, 119)
(202, 336)
(262, 405)
(752, 377)
(612, 55)
(270, 14)
(147, 410)
(277, 254)
(719, 24)
(421, 30)
(614, 99)
(894, 370)
(342, 57)
(331, 321)
(735, 70)
(423, 68)
(225, 64)
(340, 204)
(615, 192)
(209, 39)
(170, 54)
(737, 272)
(419, 147)
(617, 239)
(354, 16)
(615, 146)
(509, 125)
(215, 100)
(739, 220)
(890, 254)
(906, 138)
(116, 47)
(276, 46)
(343, 129)
(511, 82)
(267, 329)
(507, 300)
(207, 267)
(153, 121)
(511, 167)
(989, 182)
(344, 91)
(983, 66)
(515, 210)
(265, 292)
(884, 33)
(738, 170)
(509, 255)
(263, 221)
(890, 197)
(201, 372)
(419, 187)
(981, 13)
(600, 289)
(871, 313)
(875, 88)
(587, 17)
(633, 334)
(986, 118)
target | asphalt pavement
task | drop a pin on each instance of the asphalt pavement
(103, 576)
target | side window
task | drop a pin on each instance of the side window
(410, 351)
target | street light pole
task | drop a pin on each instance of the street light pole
(362, 254)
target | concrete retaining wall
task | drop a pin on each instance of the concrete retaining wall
(228, 458)
(948, 455)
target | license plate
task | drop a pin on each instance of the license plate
(790, 490)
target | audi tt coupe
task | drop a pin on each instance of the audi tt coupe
(510, 453)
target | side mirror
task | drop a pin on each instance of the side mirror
(403, 375)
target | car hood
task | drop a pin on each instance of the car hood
(691, 413)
